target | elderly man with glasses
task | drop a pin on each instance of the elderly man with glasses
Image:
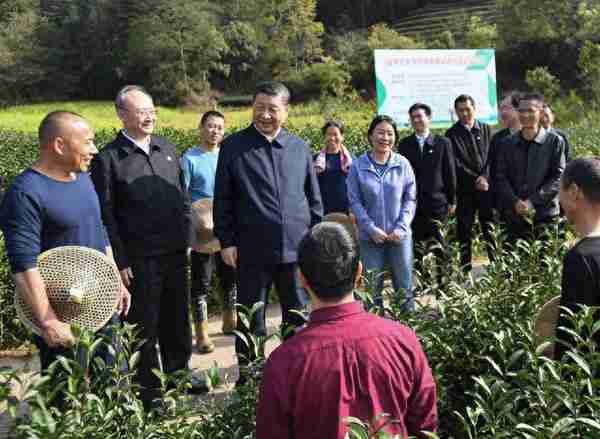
(147, 212)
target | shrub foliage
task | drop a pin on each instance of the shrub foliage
(492, 380)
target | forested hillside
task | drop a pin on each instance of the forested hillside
(188, 51)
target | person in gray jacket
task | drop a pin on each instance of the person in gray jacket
(528, 174)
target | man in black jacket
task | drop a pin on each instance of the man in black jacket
(432, 160)
(471, 141)
(529, 172)
(147, 213)
(547, 121)
(266, 198)
(509, 118)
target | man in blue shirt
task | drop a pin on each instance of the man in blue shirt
(51, 204)
(266, 197)
(199, 165)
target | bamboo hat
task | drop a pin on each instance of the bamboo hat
(203, 237)
(544, 326)
(83, 286)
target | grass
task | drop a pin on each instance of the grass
(102, 115)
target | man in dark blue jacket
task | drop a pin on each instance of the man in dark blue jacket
(266, 198)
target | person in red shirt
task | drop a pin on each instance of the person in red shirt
(346, 361)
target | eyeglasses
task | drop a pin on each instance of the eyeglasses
(143, 111)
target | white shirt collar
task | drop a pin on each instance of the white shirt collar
(143, 147)
(423, 136)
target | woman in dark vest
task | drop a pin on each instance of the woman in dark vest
(332, 164)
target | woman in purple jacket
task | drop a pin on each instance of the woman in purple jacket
(382, 196)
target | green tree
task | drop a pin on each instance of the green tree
(480, 35)
(589, 66)
(360, 62)
(542, 81)
(177, 45)
(85, 42)
(527, 20)
(21, 58)
(243, 54)
(292, 37)
(445, 40)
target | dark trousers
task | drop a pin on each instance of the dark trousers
(427, 233)
(518, 228)
(203, 267)
(160, 309)
(468, 205)
(49, 355)
(254, 282)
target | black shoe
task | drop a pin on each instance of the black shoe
(155, 406)
(199, 386)
(241, 381)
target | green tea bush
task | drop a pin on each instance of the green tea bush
(524, 394)
(477, 333)
(472, 315)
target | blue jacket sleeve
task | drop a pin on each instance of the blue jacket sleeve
(224, 202)
(365, 223)
(409, 201)
(313, 192)
(21, 221)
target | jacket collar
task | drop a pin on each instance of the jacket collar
(281, 140)
(428, 139)
(364, 162)
(336, 312)
(540, 138)
(128, 146)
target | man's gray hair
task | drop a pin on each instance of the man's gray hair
(120, 99)
(273, 88)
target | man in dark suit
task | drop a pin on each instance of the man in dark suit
(432, 160)
(529, 172)
(266, 198)
(471, 141)
(147, 212)
(509, 118)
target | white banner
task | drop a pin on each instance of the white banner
(435, 78)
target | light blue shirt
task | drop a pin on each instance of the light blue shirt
(199, 167)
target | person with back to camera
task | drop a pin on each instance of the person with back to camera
(346, 361)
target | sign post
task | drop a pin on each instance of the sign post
(435, 78)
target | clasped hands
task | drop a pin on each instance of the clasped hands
(481, 184)
(523, 207)
(379, 236)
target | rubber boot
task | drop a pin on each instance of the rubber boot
(229, 321)
(203, 343)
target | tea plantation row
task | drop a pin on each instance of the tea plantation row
(492, 382)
